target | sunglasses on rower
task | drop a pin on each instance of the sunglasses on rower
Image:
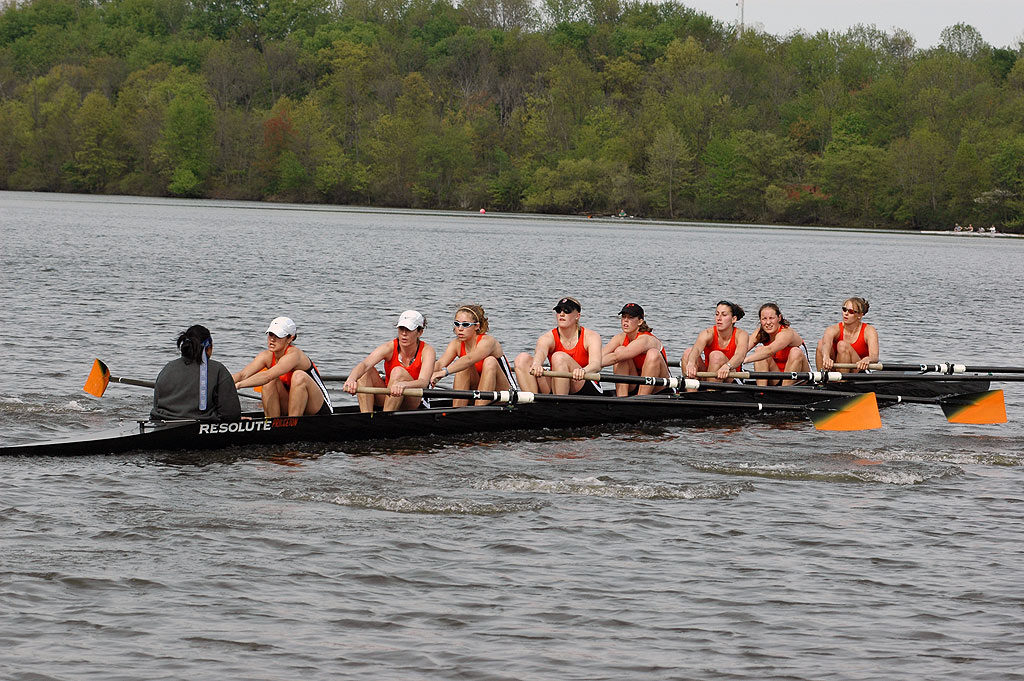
(850, 310)
(464, 325)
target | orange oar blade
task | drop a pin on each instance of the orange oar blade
(98, 379)
(847, 413)
(984, 407)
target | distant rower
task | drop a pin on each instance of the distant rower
(851, 341)
(567, 347)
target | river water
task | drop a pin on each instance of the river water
(732, 550)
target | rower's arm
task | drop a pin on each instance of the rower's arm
(287, 363)
(871, 338)
(703, 338)
(484, 348)
(742, 341)
(612, 352)
(540, 353)
(637, 346)
(783, 339)
(450, 355)
(259, 362)
(373, 359)
(592, 341)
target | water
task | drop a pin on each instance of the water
(733, 550)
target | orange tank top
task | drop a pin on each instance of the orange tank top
(286, 379)
(578, 352)
(639, 359)
(860, 346)
(782, 356)
(462, 353)
(716, 344)
(395, 361)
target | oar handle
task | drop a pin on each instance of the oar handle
(589, 376)
(372, 390)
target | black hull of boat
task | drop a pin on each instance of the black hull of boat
(348, 425)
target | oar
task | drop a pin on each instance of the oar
(985, 407)
(849, 413)
(99, 377)
(944, 368)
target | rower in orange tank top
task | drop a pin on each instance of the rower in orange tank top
(834, 348)
(782, 347)
(636, 351)
(860, 346)
(289, 380)
(479, 366)
(395, 360)
(583, 357)
(709, 355)
(404, 358)
(578, 352)
(716, 346)
(473, 358)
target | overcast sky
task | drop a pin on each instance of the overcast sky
(1001, 22)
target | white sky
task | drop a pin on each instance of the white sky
(1001, 22)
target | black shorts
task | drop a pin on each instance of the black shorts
(592, 389)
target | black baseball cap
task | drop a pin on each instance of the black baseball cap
(632, 310)
(568, 304)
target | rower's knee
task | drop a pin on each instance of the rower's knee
(399, 374)
(524, 361)
(561, 361)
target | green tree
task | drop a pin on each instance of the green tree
(98, 142)
(184, 151)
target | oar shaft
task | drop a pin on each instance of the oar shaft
(941, 368)
(133, 381)
(152, 384)
(524, 397)
(656, 381)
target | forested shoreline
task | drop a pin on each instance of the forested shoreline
(653, 109)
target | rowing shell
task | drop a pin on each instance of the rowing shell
(347, 424)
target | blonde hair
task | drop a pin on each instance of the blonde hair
(478, 316)
(860, 303)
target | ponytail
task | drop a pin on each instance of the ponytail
(192, 343)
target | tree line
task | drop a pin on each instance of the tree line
(654, 109)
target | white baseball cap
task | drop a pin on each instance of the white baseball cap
(410, 319)
(282, 327)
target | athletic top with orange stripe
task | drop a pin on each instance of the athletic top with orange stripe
(578, 352)
(395, 361)
(639, 359)
(287, 378)
(715, 345)
(860, 346)
(462, 353)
